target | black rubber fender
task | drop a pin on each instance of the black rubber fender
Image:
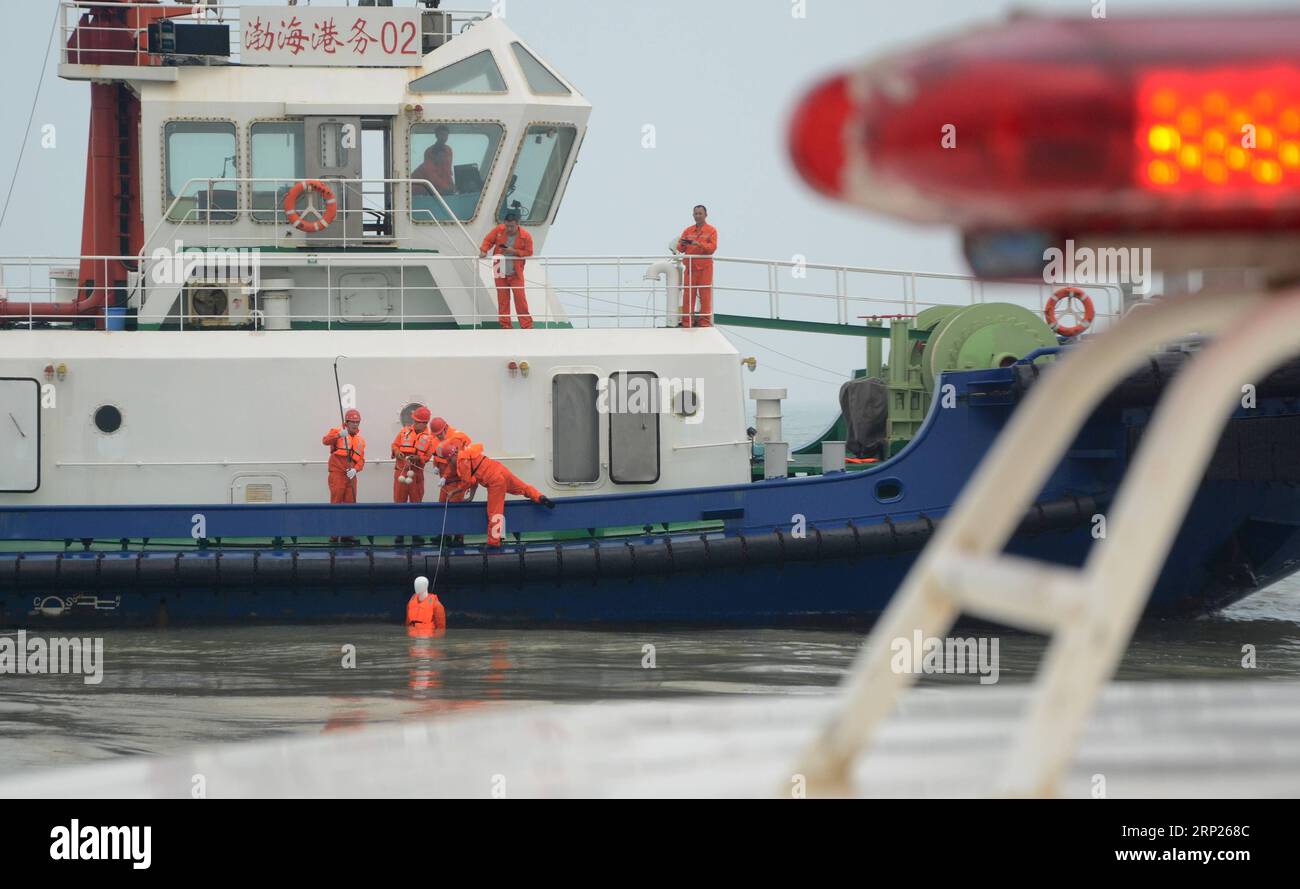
(384, 569)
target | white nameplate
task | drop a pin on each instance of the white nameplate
(329, 35)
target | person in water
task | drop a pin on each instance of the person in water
(425, 615)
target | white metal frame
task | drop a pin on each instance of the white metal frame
(1090, 612)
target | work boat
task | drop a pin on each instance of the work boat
(283, 214)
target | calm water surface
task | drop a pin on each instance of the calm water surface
(167, 690)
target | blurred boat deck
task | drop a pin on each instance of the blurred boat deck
(1185, 739)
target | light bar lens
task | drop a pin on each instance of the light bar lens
(1218, 130)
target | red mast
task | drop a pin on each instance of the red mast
(111, 222)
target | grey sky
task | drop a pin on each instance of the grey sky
(716, 79)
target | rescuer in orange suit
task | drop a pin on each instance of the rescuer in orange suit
(412, 449)
(700, 239)
(510, 244)
(442, 432)
(425, 615)
(347, 458)
(472, 467)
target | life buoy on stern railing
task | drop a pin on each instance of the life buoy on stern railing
(1070, 294)
(298, 219)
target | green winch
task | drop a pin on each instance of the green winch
(944, 338)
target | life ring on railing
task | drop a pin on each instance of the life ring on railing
(1070, 294)
(299, 220)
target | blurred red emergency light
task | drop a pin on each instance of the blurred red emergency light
(1071, 125)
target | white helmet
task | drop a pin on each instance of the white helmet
(422, 586)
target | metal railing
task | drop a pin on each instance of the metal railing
(589, 292)
(216, 208)
(88, 28)
(787, 291)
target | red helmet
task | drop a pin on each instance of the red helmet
(447, 450)
(437, 425)
(421, 415)
(352, 415)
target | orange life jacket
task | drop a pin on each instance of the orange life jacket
(427, 613)
(337, 442)
(416, 447)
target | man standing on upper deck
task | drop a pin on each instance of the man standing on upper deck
(510, 244)
(700, 239)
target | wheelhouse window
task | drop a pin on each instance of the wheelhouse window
(202, 163)
(575, 437)
(278, 153)
(456, 159)
(634, 428)
(475, 74)
(539, 77)
(538, 170)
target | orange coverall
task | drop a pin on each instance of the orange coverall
(474, 468)
(428, 613)
(697, 276)
(445, 493)
(412, 449)
(342, 488)
(437, 169)
(495, 245)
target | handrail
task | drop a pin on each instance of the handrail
(600, 290)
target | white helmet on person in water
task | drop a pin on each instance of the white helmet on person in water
(422, 586)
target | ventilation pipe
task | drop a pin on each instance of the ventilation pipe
(671, 272)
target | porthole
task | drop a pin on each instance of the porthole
(108, 419)
(686, 403)
(888, 490)
(408, 413)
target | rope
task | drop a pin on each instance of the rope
(732, 332)
(49, 41)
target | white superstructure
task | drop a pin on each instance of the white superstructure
(223, 385)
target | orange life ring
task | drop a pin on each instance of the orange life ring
(297, 219)
(1071, 294)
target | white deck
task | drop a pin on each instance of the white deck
(1223, 739)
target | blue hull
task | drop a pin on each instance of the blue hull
(863, 532)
